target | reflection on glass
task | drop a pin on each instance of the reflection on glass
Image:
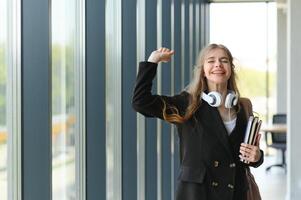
(3, 97)
(63, 100)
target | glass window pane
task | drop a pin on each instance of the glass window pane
(3, 104)
(252, 41)
(63, 99)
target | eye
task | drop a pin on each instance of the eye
(225, 61)
(210, 61)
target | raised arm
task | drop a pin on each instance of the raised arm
(146, 103)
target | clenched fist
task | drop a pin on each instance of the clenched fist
(161, 55)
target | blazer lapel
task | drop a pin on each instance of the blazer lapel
(215, 124)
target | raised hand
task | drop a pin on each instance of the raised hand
(161, 55)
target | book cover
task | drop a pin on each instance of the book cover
(252, 130)
(256, 132)
(249, 125)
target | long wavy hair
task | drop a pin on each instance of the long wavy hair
(199, 85)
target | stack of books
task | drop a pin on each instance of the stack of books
(252, 130)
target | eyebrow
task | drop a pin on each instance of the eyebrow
(212, 57)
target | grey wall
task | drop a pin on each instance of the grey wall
(36, 100)
(95, 95)
(281, 57)
(293, 99)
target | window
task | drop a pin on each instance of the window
(68, 159)
(3, 102)
(248, 30)
(113, 102)
(10, 100)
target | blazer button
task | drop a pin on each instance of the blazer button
(232, 165)
(230, 186)
(216, 163)
(214, 184)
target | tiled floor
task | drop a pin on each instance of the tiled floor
(272, 184)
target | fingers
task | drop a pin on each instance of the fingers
(162, 54)
(160, 50)
(163, 49)
(250, 153)
(165, 54)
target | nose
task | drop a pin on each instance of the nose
(217, 63)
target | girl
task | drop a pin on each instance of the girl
(211, 121)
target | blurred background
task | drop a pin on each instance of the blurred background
(67, 70)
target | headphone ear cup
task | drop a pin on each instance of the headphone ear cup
(231, 100)
(217, 98)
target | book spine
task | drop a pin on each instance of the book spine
(249, 125)
(251, 133)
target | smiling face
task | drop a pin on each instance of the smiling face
(217, 67)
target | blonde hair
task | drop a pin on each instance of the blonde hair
(199, 85)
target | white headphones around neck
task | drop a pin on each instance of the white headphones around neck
(214, 99)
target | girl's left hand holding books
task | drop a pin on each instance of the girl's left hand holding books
(250, 153)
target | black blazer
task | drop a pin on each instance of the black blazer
(210, 166)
